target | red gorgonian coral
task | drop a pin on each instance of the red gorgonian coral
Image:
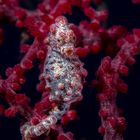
(59, 48)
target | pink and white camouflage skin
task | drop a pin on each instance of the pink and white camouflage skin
(64, 75)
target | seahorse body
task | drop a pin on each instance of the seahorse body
(63, 70)
(64, 75)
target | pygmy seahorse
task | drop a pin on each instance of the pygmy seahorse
(64, 75)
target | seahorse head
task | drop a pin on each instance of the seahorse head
(61, 37)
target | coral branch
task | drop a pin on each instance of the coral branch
(108, 75)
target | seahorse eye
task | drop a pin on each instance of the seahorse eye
(60, 41)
